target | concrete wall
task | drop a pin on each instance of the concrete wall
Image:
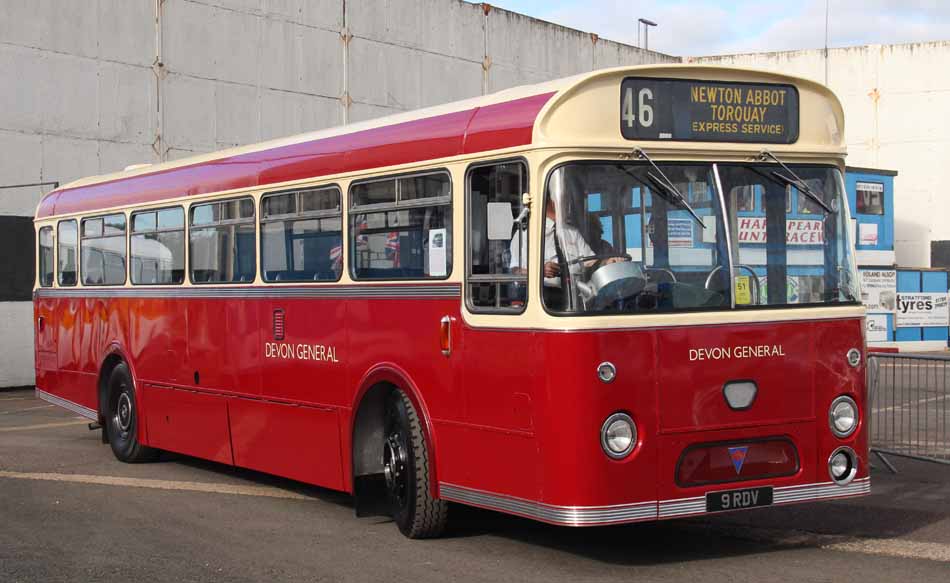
(16, 344)
(101, 84)
(92, 86)
(897, 114)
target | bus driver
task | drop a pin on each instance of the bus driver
(569, 246)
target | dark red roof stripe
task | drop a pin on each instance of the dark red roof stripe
(491, 127)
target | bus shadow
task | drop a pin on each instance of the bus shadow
(909, 503)
(883, 515)
(633, 545)
(899, 505)
(256, 478)
(636, 544)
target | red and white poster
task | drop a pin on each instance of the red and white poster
(797, 231)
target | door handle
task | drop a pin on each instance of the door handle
(445, 335)
(41, 323)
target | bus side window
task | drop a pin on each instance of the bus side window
(302, 235)
(221, 242)
(401, 227)
(158, 246)
(103, 250)
(497, 274)
(46, 257)
(68, 236)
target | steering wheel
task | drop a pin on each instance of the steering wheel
(599, 257)
(612, 282)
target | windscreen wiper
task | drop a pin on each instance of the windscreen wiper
(665, 185)
(794, 180)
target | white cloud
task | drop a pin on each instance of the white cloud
(704, 27)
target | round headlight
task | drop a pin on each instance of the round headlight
(854, 357)
(618, 436)
(606, 372)
(843, 416)
(842, 466)
(839, 465)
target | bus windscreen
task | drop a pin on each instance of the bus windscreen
(618, 241)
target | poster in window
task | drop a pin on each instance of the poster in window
(879, 290)
(680, 232)
(437, 256)
(867, 233)
(870, 198)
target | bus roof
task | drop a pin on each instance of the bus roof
(566, 111)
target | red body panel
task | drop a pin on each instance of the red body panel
(515, 413)
(678, 402)
(491, 127)
(187, 422)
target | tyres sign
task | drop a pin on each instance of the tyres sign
(918, 310)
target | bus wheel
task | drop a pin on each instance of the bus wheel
(121, 418)
(406, 467)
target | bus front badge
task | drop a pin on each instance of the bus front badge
(738, 457)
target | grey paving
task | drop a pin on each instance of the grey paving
(65, 531)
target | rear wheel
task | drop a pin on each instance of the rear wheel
(121, 418)
(407, 469)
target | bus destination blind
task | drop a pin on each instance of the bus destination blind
(708, 111)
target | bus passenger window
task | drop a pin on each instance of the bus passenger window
(46, 257)
(68, 242)
(221, 242)
(103, 250)
(158, 246)
(401, 228)
(302, 235)
(498, 239)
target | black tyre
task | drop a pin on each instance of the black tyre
(121, 418)
(406, 466)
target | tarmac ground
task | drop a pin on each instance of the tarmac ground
(70, 512)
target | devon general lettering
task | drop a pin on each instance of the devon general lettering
(726, 352)
(315, 352)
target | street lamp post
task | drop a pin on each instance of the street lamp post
(646, 32)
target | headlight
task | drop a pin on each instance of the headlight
(618, 436)
(843, 466)
(843, 416)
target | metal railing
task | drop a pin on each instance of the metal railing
(909, 408)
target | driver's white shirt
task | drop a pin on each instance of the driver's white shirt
(573, 246)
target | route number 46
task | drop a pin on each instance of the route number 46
(644, 110)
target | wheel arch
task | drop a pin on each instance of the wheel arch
(114, 356)
(367, 421)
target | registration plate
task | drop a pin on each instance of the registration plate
(737, 499)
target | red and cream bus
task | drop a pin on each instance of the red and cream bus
(584, 302)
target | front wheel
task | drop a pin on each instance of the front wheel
(407, 469)
(121, 418)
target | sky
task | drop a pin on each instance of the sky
(710, 27)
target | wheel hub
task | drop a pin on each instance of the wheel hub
(123, 412)
(394, 467)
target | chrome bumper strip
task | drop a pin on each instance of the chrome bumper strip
(74, 407)
(638, 511)
(780, 495)
(563, 515)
